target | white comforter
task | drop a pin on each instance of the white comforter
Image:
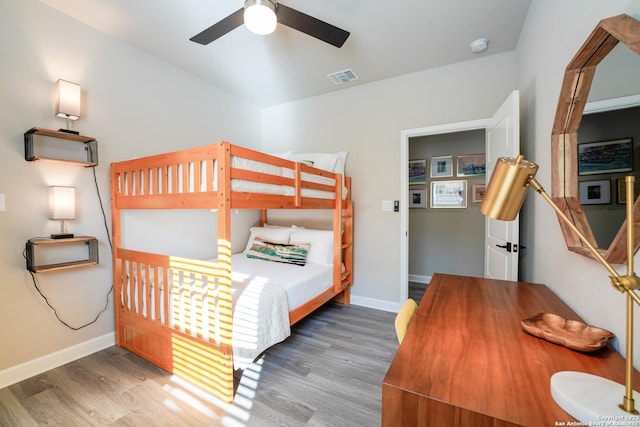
(260, 317)
(263, 294)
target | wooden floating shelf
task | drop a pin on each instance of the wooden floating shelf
(32, 244)
(90, 146)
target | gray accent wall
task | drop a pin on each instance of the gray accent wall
(446, 240)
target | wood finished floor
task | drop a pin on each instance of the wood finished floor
(328, 373)
(416, 290)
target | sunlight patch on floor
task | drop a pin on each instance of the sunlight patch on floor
(234, 414)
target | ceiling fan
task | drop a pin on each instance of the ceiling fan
(268, 13)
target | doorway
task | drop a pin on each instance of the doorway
(441, 236)
(407, 137)
(502, 139)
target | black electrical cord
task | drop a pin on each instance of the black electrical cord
(104, 215)
(35, 281)
(35, 284)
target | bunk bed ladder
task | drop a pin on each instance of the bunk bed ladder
(343, 244)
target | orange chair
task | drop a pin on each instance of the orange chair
(403, 318)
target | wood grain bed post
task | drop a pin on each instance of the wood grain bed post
(337, 236)
(298, 184)
(343, 243)
(116, 242)
(347, 244)
(224, 259)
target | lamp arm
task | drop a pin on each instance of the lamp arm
(538, 187)
(622, 283)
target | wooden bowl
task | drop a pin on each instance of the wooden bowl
(568, 333)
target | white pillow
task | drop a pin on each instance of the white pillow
(281, 226)
(269, 234)
(325, 161)
(341, 160)
(321, 251)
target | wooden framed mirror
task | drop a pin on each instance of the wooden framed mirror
(577, 82)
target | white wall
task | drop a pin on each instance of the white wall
(552, 34)
(367, 120)
(133, 104)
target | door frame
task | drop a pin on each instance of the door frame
(405, 135)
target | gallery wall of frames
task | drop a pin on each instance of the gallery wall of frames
(448, 178)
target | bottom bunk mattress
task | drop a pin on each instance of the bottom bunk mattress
(263, 294)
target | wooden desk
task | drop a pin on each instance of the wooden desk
(466, 361)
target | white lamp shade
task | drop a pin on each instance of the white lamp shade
(260, 16)
(62, 202)
(67, 100)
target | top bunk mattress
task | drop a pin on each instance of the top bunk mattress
(335, 166)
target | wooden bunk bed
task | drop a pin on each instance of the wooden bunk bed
(177, 312)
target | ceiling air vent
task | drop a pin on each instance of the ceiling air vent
(344, 76)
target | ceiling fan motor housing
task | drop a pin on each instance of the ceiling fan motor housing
(260, 16)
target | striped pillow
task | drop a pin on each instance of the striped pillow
(279, 252)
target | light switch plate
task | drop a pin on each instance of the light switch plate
(2, 206)
(387, 205)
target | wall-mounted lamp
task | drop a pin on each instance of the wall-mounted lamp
(260, 16)
(587, 397)
(68, 103)
(62, 206)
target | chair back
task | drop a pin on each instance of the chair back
(403, 319)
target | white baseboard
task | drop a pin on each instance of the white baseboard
(385, 305)
(419, 279)
(42, 364)
(378, 304)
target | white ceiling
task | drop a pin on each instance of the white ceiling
(388, 38)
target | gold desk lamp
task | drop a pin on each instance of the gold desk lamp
(587, 397)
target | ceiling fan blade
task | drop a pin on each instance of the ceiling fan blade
(220, 28)
(311, 26)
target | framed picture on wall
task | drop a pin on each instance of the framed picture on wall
(418, 198)
(595, 192)
(470, 165)
(441, 167)
(622, 191)
(417, 172)
(448, 194)
(605, 157)
(477, 193)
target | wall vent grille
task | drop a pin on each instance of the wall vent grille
(344, 76)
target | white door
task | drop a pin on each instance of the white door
(501, 237)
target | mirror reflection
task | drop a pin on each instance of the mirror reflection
(609, 142)
(602, 52)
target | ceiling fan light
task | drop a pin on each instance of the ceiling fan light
(260, 16)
